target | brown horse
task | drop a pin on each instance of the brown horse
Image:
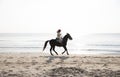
(54, 42)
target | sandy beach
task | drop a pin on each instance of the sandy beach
(44, 65)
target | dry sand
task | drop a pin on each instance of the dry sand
(42, 65)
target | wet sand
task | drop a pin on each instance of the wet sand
(42, 65)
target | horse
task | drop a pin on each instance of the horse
(54, 42)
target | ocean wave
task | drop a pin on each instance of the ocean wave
(110, 50)
(111, 45)
(20, 47)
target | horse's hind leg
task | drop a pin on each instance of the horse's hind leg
(51, 51)
(54, 50)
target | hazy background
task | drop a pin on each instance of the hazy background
(73, 16)
(45, 17)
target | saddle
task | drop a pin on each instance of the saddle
(59, 40)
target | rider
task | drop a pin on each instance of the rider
(59, 36)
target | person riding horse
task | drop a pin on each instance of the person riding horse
(53, 43)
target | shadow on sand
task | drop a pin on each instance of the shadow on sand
(52, 58)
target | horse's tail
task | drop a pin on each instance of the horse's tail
(45, 45)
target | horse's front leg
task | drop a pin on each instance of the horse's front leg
(65, 50)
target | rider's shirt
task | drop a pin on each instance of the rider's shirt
(59, 37)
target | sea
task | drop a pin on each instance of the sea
(99, 43)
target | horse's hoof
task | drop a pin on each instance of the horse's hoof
(67, 53)
(52, 55)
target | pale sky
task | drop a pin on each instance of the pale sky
(73, 16)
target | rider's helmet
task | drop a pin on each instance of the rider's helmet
(59, 30)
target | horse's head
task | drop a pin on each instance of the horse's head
(69, 36)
